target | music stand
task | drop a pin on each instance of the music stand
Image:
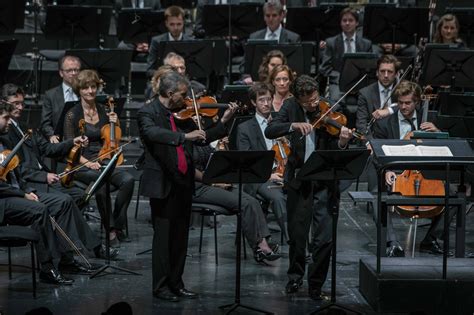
(334, 165)
(354, 66)
(450, 67)
(242, 167)
(104, 178)
(387, 24)
(140, 25)
(185, 4)
(238, 94)
(113, 65)
(7, 47)
(12, 16)
(77, 22)
(456, 104)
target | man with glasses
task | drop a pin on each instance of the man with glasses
(55, 98)
(294, 120)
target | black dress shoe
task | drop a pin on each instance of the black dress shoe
(261, 256)
(78, 268)
(101, 252)
(166, 295)
(53, 276)
(275, 247)
(432, 248)
(317, 295)
(293, 286)
(470, 255)
(123, 237)
(395, 251)
(186, 294)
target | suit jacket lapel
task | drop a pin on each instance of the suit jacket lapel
(260, 140)
(394, 124)
(339, 45)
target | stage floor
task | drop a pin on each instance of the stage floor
(262, 286)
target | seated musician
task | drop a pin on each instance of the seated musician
(250, 136)
(280, 78)
(33, 169)
(404, 120)
(254, 225)
(447, 31)
(22, 205)
(96, 117)
(272, 59)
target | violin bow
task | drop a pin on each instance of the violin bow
(196, 110)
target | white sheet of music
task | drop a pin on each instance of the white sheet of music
(412, 150)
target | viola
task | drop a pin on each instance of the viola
(282, 150)
(73, 159)
(8, 158)
(110, 135)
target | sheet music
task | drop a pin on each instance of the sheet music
(412, 150)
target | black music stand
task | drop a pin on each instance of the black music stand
(298, 56)
(7, 47)
(12, 16)
(238, 94)
(387, 24)
(242, 167)
(354, 66)
(113, 65)
(77, 22)
(140, 25)
(185, 4)
(334, 165)
(104, 178)
(456, 104)
(450, 67)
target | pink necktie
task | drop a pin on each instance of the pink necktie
(182, 165)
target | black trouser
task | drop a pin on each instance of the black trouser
(170, 217)
(75, 192)
(300, 214)
(121, 181)
(254, 225)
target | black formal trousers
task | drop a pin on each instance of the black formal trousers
(170, 217)
(304, 205)
(123, 182)
(254, 225)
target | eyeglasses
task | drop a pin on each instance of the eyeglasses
(69, 71)
(311, 102)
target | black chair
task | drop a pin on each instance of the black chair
(19, 236)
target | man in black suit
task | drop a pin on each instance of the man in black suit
(174, 22)
(250, 136)
(54, 99)
(346, 42)
(404, 120)
(294, 119)
(273, 15)
(168, 180)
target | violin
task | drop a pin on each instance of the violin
(73, 159)
(110, 135)
(9, 160)
(207, 106)
(282, 150)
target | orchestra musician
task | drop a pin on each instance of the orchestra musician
(250, 136)
(272, 59)
(95, 117)
(295, 119)
(447, 31)
(280, 78)
(168, 180)
(404, 120)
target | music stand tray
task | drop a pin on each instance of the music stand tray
(314, 23)
(140, 25)
(240, 167)
(354, 66)
(12, 16)
(334, 165)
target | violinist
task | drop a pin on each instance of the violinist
(250, 136)
(403, 121)
(33, 168)
(168, 180)
(23, 205)
(95, 116)
(295, 119)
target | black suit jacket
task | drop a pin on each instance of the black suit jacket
(53, 105)
(152, 63)
(389, 128)
(280, 125)
(286, 36)
(160, 170)
(334, 51)
(249, 136)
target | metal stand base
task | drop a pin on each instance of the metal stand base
(232, 307)
(334, 307)
(104, 268)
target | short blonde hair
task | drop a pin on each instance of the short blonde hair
(84, 79)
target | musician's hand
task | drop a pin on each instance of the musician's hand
(113, 118)
(31, 196)
(322, 44)
(390, 178)
(302, 127)
(142, 47)
(276, 177)
(196, 135)
(229, 112)
(93, 165)
(54, 139)
(428, 126)
(381, 113)
(82, 140)
(52, 178)
(344, 136)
